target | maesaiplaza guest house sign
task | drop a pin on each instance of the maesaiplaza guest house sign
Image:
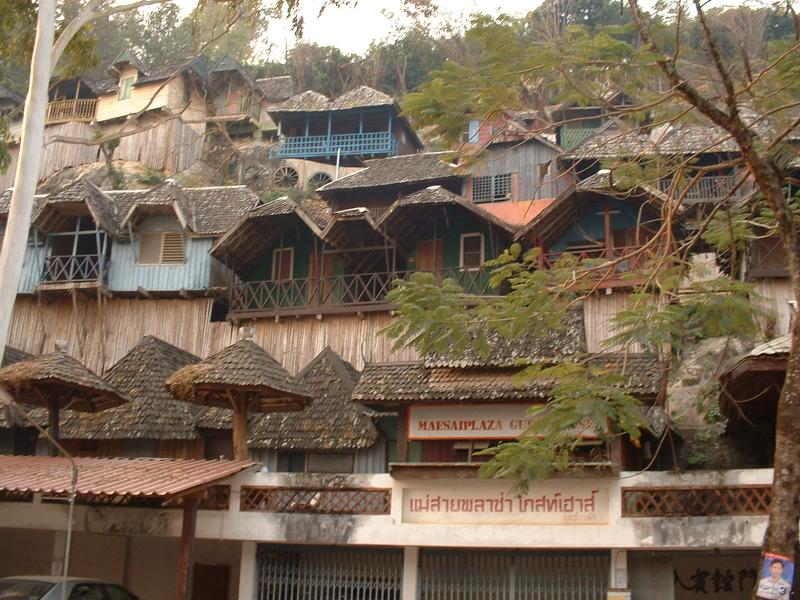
(546, 503)
(470, 422)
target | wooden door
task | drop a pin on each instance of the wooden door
(429, 255)
(210, 582)
(320, 284)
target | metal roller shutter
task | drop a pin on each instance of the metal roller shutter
(329, 574)
(447, 575)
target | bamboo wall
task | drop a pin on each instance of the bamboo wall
(598, 311)
(99, 333)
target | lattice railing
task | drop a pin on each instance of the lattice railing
(346, 501)
(696, 501)
(217, 497)
(89, 267)
(357, 290)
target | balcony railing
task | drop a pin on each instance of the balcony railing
(90, 267)
(244, 106)
(598, 256)
(62, 111)
(347, 144)
(705, 189)
(339, 293)
(319, 500)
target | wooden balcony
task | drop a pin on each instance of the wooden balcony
(362, 292)
(597, 256)
(244, 107)
(347, 144)
(63, 111)
(75, 268)
(706, 189)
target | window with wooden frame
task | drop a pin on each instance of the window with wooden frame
(161, 248)
(489, 188)
(125, 88)
(471, 251)
(282, 264)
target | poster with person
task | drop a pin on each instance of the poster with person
(775, 580)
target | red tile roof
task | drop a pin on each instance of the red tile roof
(113, 476)
(517, 212)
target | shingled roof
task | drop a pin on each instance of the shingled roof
(331, 422)
(8, 416)
(153, 412)
(311, 101)
(407, 383)
(243, 366)
(405, 216)
(276, 89)
(504, 352)
(260, 226)
(423, 168)
(77, 386)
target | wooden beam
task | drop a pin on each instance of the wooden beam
(184, 588)
(402, 434)
(144, 293)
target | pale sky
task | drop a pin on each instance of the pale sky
(352, 29)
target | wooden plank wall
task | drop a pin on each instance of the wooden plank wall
(774, 296)
(59, 155)
(171, 146)
(99, 334)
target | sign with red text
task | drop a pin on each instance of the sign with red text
(491, 503)
(472, 422)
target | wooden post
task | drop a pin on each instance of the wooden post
(184, 588)
(607, 227)
(240, 429)
(53, 425)
(402, 434)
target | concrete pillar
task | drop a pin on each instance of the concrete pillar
(618, 586)
(248, 572)
(59, 545)
(410, 572)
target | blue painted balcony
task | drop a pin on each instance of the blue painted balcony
(377, 143)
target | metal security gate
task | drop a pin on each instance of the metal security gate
(513, 576)
(329, 574)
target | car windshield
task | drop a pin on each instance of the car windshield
(24, 590)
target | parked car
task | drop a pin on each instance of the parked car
(49, 588)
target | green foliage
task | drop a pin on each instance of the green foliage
(117, 179)
(721, 307)
(150, 176)
(730, 229)
(434, 317)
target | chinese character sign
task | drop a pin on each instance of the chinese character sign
(775, 578)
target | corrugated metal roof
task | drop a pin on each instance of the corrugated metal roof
(778, 345)
(113, 476)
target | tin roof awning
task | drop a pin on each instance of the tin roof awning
(114, 477)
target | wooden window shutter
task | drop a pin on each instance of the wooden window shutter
(149, 248)
(172, 251)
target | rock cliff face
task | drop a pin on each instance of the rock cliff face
(694, 407)
(130, 175)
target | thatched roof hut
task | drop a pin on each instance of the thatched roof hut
(153, 412)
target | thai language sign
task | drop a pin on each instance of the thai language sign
(546, 503)
(472, 422)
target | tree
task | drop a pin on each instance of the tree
(681, 68)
